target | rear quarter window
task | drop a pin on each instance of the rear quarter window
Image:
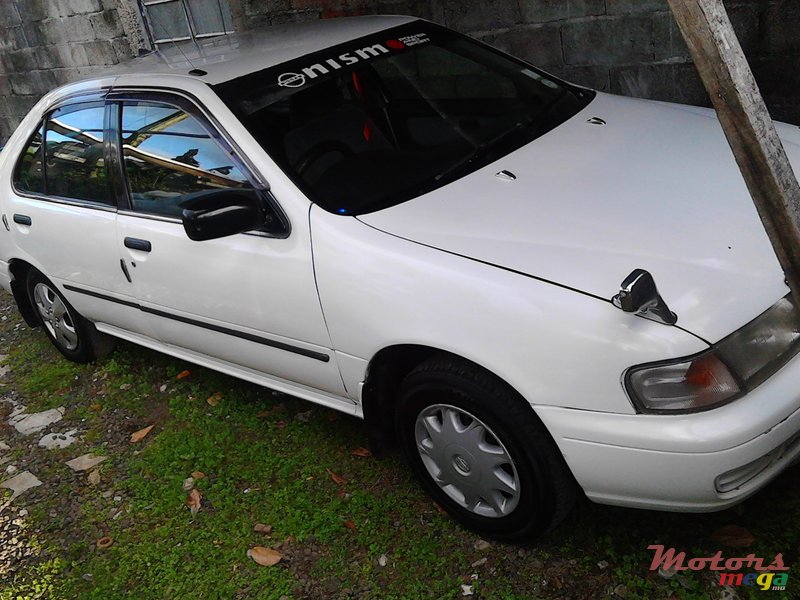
(29, 172)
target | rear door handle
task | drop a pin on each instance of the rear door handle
(136, 244)
(22, 219)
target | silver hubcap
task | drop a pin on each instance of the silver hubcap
(55, 316)
(467, 460)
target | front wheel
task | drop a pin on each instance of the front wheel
(480, 451)
(73, 336)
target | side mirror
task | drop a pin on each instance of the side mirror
(219, 213)
(638, 294)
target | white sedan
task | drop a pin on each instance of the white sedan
(535, 289)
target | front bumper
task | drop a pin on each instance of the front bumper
(673, 462)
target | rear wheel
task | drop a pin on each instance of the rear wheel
(75, 337)
(481, 452)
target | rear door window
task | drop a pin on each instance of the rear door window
(29, 172)
(75, 155)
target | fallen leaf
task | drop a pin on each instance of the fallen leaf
(198, 474)
(382, 561)
(188, 484)
(280, 424)
(261, 528)
(361, 453)
(337, 479)
(183, 374)
(264, 556)
(193, 501)
(96, 407)
(440, 509)
(263, 413)
(105, 542)
(341, 493)
(214, 399)
(466, 590)
(138, 436)
(349, 524)
(733, 536)
(94, 477)
(163, 388)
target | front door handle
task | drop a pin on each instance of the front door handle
(22, 219)
(137, 244)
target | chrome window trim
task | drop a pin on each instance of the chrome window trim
(140, 93)
(67, 201)
(81, 97)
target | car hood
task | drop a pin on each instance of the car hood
(655, 188)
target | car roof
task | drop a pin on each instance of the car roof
(227, 57)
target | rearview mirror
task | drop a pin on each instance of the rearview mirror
(219, 213)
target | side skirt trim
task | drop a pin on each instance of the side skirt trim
(210, 326)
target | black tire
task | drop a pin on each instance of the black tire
(545, 488)
(74, 336)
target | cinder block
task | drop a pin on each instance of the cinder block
(122, 49)
(482, 16)
(82, 7)
(609, 41)
(266, 7)
(21, 61)
(672, 82)
(9, 15)
(594, 77)
(100, 52)
(12, 38)
(542, 11)
(745, 23)
(48, 57)
(77, 28)
(539, 44)
(32, 83)
(779, 79)
(106, 24)
(34, 35)
(780, 26)
(21, 105)
(425, 9)
(621, 7)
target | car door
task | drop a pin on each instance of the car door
(248, 299)
(62, 214)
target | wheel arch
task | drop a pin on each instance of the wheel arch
(386, 370)
(19, 270)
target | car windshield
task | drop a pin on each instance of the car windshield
(380, 120)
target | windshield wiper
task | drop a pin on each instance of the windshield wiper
(478, 152)
(483, 149)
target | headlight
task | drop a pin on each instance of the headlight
(731, 368)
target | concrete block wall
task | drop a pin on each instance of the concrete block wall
(46, 43)
(631, 47)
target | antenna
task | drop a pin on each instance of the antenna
(171, 41)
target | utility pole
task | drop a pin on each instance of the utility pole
(750, 131)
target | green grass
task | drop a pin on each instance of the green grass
(263, 464)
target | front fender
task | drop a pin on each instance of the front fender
(555, 346)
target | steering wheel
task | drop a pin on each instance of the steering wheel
(313, 154)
